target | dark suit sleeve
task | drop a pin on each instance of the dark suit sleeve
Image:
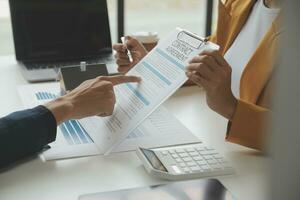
(24, 133)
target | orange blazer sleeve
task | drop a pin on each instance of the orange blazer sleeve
(248, 126)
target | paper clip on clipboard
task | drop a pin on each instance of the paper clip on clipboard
(191, 39)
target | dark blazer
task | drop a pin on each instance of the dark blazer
(24, 133)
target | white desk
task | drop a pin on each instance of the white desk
(67, 179)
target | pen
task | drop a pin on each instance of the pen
(127, 51)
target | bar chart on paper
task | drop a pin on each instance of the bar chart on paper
(40, 96)
(72, 131)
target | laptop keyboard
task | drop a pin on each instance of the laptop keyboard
(53, 65)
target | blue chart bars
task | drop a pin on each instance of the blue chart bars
(45, 96)
(72, 131)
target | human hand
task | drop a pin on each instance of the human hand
(92, 97)
(212, 72)
(136, 49)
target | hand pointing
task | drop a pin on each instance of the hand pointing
(92, 97)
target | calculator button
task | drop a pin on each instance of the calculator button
(196, 169)
(211, 162)
(182, 155)
(205, 168)
(182, 164)
(212, 152)
(164, 153)
(207, 157)
(216, 166)
(176, 169)
(178, 160)
(197, 158)
(171, 151)
(190, 164)
(187, 159)
(175, 156)
(194, 153)
(201, 162)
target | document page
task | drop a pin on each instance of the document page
(161, 128)
(162, 72)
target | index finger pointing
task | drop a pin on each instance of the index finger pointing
(120, 79)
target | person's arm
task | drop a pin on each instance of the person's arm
(248, 125)
(25, 133)
(247, 122)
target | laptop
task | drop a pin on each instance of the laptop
(50, 34)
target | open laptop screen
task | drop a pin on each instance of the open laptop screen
(48, 30)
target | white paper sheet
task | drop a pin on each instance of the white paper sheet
(159, 129)
(162, 72)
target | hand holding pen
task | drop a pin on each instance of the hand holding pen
(126, 50)
(129, 53)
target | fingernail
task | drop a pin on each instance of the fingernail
(188, 73)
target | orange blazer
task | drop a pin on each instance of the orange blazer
(249, 123)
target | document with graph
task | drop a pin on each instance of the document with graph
(162, 72)
(160, 129)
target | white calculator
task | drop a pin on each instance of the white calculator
(184, 162)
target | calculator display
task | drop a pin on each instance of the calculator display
(154, 161)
